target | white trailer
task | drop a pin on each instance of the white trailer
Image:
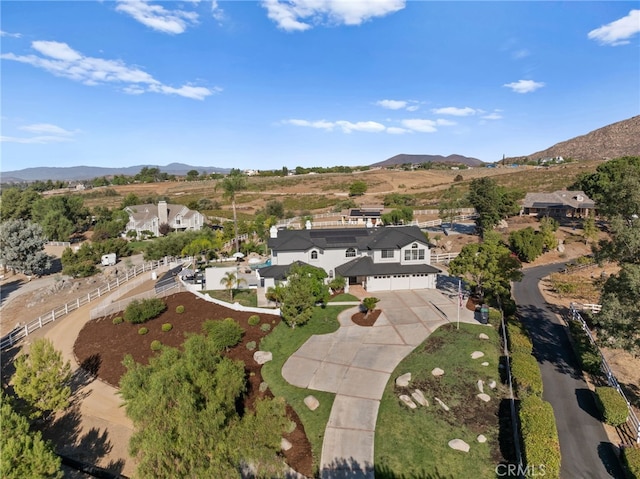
(108, 259)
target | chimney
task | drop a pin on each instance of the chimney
(163, 212)
(273, 232)
(307, 225)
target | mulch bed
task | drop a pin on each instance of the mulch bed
(101, 347)
(361, 320)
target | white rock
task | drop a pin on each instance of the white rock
(418, 396)
(484, 397)
(459, 445)
(444, 406)
(285, 445)
(481, 438)
(311, 402)
(476, 354)
(480, 384)
(437, 372)
(407, 401)
(403, 381)
(484, 364)
(483, 336)
(262, 357)
(492, 384)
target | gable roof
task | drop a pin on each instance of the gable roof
(558, 199)
(364, 266)
(339, 238)
(147, 212)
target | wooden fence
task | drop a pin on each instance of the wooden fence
(56, 313)
(632, 420)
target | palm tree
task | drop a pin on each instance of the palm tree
(230, 185)
(369, 304)
(230, 281)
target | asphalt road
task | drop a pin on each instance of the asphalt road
(584, 445)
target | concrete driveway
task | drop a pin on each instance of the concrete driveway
(356, 364)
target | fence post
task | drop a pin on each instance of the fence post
(40, 320)
(53, 314)
(78, 303)
(66, 309)
(88, 297)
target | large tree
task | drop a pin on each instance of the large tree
(22, 247)
(61, 216)
(42, 378)
(487, 266)
(305, 288)
(492, 202)
(451, 202)
(24, 453)
(230, 185)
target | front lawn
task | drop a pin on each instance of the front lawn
(283, 342)
(344, 297)
(246, 297)
(414, 442)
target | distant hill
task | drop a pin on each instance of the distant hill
(417, 159)
(74, 173)
(612, 141)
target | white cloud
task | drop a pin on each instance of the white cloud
(46, 128)
(301, 15)
(157, 17)
(413, 108)
(394, 130)
(524, 86)
(367, 126)
(321, 124)
(443, 122)
(392, 104)
(454, 111)
(34, 139)
(493, 116)
(423, 126)
(61, 60)
(45, 133)
(617, 32)
(216, 11)
(12, 35)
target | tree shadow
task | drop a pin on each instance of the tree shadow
(8, 288)
(609, 455)
(632, 391)
(586, 400)
(352, 469)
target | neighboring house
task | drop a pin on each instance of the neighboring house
(379, 259)
(363, 216)
(558, 204)
(150, 217)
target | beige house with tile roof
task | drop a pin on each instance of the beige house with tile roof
(150, 217)
(562, 203)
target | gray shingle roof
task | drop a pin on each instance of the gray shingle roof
(364, 266)
(558, 199)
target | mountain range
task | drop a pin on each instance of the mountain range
(418, 159)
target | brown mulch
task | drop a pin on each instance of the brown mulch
(362, 320)
(101, 347)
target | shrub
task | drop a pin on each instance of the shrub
(156, 345)
(494, 316)
(223, 334)
(143, 331)
(518, 338)
(586, 352)
(631, 461)
(251, 345)
(141, 311)
(180, 309)
(254, 320)
(539, 437)
(265, 327)
(526, 374)
(612, 405)
(166, 327)
(118, 320)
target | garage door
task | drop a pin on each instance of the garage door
(400, 281)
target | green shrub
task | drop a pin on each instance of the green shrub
(166, 327)
(265, 327)
(251, 345)
(587, 353)
(118, 320)
(612, 405)
(526, 374)
(541, 446)
(518, 338)
(156, 345)
(223, 334)
(141, 311)
(494, 316)
(254, 320)
(631, 461)
(142, 331)
(180, 309)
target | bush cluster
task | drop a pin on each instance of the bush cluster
(118, 320)
(265, 327)
(251, 345)
(223, 334)
(526, 374)
(180, 309)
(140, 311)
(166, 327)
(540, 437)
(587, 353)
(631, 461)
(142, 331)
(494, 316)
(519, 340)
(611, 405)
(156, 345)
(254, 320)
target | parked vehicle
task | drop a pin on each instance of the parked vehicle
(109, 259)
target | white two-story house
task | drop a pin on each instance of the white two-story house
(379, 259)
(150, 217)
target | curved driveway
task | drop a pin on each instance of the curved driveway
(586, 450)
(356, 363)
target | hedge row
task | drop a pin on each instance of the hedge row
(519, 340)
(526, 374)
(611, 405)
(540, 438)
(631, 461)
(140, 311)
(587, 353)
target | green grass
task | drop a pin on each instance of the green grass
(283, 342)
(138, 246)
(246, 297)
(414, 443)
(343, 297)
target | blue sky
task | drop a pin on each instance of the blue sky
(266, 84)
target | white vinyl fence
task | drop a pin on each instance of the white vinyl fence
(117, 306)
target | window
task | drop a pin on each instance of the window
(387, 253)
(350, 253)
(314, 254)
(414, 254)
(178, 219)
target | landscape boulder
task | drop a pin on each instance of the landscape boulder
(403, 381)
(477, 354)
(407, 401)
(262, 357)
(484, 397)
(285, 444)
(481, 438)
(483, 336)
(459, 445)
(418, 396)
(480, 385)
(311, 402)
(437, 372)
(443, 405)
